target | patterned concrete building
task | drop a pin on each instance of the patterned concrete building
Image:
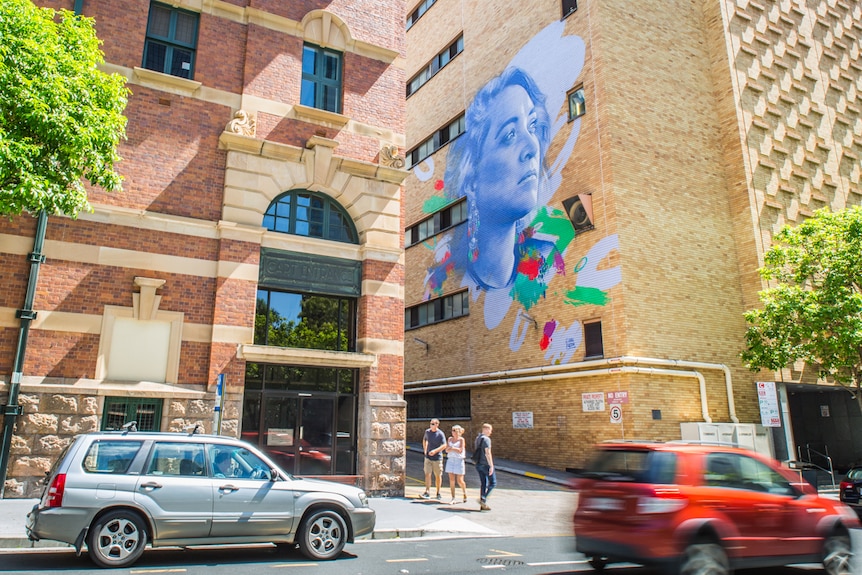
(254, 260)
(594, 185)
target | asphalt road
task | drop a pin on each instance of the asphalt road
(532, 516)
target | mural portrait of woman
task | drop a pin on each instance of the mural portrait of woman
(498, 165)
(516, 237)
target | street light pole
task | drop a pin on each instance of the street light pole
(26, 314)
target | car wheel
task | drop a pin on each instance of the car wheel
(704, 559)
(598, 563)
(322, 535)
(117, 539)
(837, 554)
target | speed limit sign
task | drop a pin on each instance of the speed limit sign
(616, 414)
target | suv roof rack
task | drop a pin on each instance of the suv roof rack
(130, 426)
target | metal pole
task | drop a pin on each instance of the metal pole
(26, 314)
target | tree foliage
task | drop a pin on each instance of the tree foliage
(61, 118)
(812, 310)
(316, 327)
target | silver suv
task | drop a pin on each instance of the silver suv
(118, 491)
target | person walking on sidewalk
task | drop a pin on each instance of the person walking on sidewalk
(433, 444)
(456, 452)
(485, 466)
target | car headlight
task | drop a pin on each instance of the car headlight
(363, 499)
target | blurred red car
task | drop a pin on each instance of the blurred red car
(704, 509)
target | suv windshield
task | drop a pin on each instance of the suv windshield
(635, 465)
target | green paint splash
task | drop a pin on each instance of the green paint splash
(586, 296)
(435, 203)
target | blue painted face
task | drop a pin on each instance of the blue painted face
(509, 167)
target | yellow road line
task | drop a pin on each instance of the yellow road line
(503, 553)
(534, 475)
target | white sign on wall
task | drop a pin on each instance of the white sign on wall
(616, 413)
(768, 399)
(522, 419)
(594, 401)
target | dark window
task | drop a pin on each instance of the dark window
(309, 214)
(569, 6)
(444, 404)
(638, 465)
(436, 141)
(436, 310)
(593, 339)
(121, 410)
(442, 220)
(435, 65)
(321, 78)
(418, 12)
(172, 37)
(286, 319)
(577, 103)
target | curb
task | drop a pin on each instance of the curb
(514, 471)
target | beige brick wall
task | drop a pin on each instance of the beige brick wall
(708, 127)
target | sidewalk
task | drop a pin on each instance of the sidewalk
(409, 516)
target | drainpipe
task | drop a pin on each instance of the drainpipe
(704, 408)
(572, 368)
(26, 314)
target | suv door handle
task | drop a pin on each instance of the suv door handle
(228, 488)
(151, 485)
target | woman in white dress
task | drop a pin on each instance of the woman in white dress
(456, 451)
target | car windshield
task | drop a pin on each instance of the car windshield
(855, 474)
(635, 465)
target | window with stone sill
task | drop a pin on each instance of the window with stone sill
(171, 43)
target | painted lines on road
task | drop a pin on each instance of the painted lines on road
(148, 571)
(280, 565)
(503, 554)
(408, 560)
(550, 563)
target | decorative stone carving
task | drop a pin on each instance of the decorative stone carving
(146, 303)
(243, 123)
(390, 157)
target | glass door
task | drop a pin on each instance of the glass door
(298, 433)
(316, 435)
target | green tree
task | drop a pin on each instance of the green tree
(61, 118)
(812, 310)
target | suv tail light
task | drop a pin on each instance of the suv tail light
(845, 485)
(661, 501)
(55, 492)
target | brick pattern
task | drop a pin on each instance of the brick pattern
(761, 128)
(797, 66)
(174, 165)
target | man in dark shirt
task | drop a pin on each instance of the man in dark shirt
(433, 444)
(485, 466)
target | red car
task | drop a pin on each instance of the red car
(699, 509)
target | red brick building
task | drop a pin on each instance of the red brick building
(258, 238)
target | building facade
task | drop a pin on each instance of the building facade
(249, 278)
(594, 185)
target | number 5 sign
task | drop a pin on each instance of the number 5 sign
(616, 414)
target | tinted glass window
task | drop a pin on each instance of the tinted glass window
(110, 456)
(854, 474)
(171, 458)
(636, 465)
